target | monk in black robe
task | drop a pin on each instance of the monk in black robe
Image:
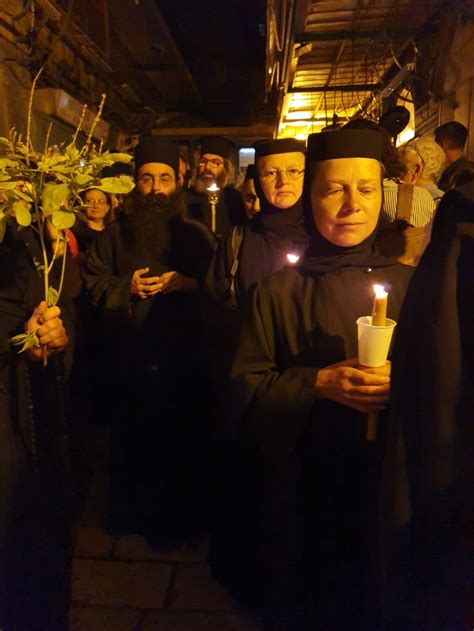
(215, 167)
(144, 273)
(301, 401)
(35, 463)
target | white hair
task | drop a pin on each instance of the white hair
(432, 157)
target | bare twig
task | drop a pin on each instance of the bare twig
(30, 107)
(81, 120)
(94, 124)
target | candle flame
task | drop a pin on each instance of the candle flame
(213, 188)
(380, 292)
(293, 258)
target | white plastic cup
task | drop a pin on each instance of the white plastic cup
(374, 341)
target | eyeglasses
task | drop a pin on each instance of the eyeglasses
(95, 202)
(149, 180)
(272, 174)
(203, 162)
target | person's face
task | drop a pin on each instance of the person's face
(346, 198)
(96, 204)
(210, 167)
(281, 178)
(155, 177)
(251, 201)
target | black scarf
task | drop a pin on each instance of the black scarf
(271, 235)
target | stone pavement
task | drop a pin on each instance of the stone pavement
(122, 584)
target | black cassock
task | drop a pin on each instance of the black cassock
(35, 462)
(308, 498)
(230, 209)
(157, 377)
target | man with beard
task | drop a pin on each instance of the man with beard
(143, 274)
(214, 167)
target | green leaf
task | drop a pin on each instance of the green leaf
(120, 157)
(119, 185)
(100, 161)
(53, 297)
(39, 266)
(22, 194)
(29, 340)
(12, 184)
(22, 212)
(53, 197)
(83, 178)
(72, 152)
(50, 161)
(63, 219)
(64, 169)
(6, 163)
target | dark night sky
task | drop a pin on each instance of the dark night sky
(223, 44)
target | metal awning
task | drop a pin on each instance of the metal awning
(341, 56)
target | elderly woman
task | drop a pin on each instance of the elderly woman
(252, 252)
(424, 161)
(301, 399)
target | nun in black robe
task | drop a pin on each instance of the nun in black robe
(246, 254)
(311, 498)
(35, 456)
(157, 372)
(251, 252)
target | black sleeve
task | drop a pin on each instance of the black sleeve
(217, 281)
(272, 401)
(192, 248)
(107, 288)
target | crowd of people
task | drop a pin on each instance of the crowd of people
(217, 337)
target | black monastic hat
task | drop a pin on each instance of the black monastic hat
(250, 173)
(280, 145)
(116, 169)
(345, 143)
(153, 149)
(216, 145)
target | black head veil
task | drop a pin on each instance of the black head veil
(287, 223)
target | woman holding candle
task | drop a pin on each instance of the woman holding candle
(301, 398)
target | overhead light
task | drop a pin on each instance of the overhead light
(298, 116)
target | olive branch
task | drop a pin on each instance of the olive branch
(41, 190)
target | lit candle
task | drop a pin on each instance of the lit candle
(293, 258)
(379, 311)
(213, 191)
